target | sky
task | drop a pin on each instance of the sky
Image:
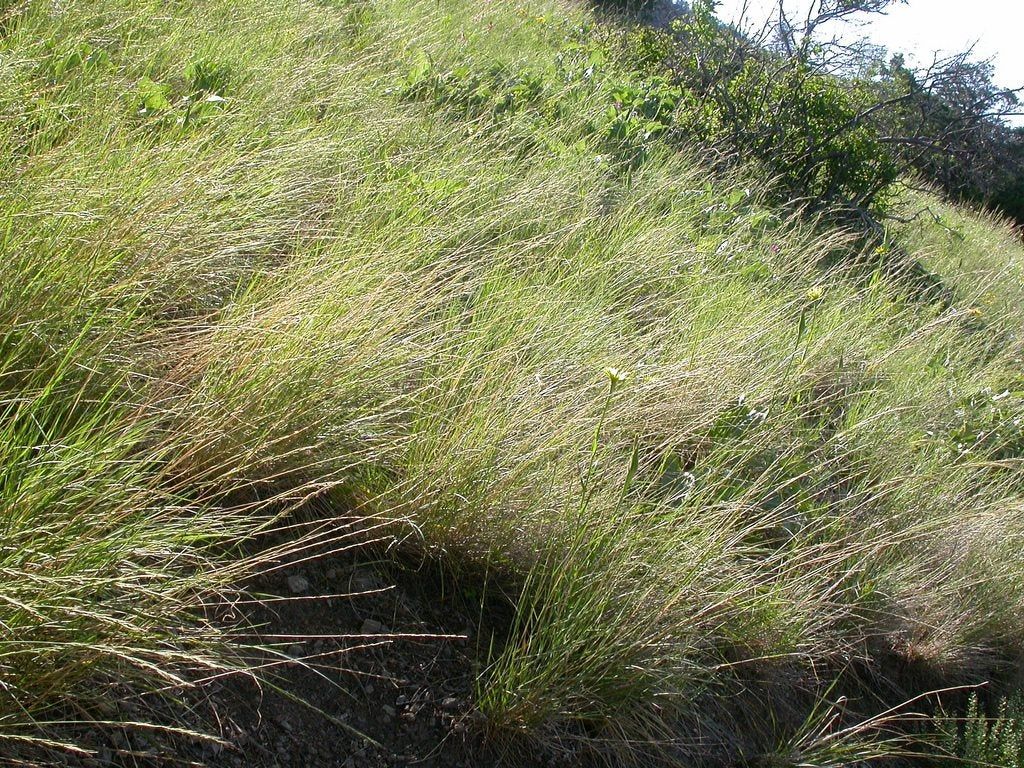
(922, 27)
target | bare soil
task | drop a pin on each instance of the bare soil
(370, 665)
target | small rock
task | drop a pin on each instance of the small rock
(373, 627)
(331, 573)
(388, 710)
(450, 704)
(298, 584)
(364, 580)
(295, 651)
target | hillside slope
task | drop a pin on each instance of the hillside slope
(717, 482)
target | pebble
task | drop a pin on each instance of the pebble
(364, 580)
(298, 584)
(373, 627)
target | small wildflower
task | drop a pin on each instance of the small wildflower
(815, 294)
(615, 376)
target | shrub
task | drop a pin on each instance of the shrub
(997, 741)
(800, 124)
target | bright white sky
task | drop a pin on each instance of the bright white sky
(922, 27)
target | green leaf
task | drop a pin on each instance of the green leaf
(420, 70)
(153, 96)
(738, 196)
(634, 461)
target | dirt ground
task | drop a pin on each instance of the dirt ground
(372, 665)
(384, 675)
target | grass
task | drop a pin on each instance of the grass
(249, 260)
